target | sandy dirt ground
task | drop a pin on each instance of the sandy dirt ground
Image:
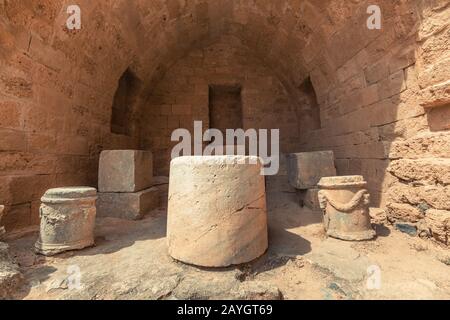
(130, 261)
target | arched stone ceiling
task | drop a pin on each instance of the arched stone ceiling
(295, 38)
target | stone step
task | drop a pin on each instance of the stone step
(132, 206)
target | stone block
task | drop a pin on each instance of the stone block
(217, 212)
(310, 199)
(125, 170)
(435, 196)
(438, 221)
(377, 215)
(403, 212)
(10, 276)
(426, 145)
(278, 183)
(162, 184)
(132, 206)
(426, 171)
(307, 168)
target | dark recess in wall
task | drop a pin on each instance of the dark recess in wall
(122, 105)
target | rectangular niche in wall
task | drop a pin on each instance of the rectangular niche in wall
(312, 117)
(122, 105)
(225, 107)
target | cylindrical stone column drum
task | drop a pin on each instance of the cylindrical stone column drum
(345, 203)
(217, 213)
(67, 220)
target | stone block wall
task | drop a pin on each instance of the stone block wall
(181, 98)
(55, 103)
(382, 95)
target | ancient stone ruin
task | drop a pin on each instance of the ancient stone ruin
(217, 213)
(92, 96)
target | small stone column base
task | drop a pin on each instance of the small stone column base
(67, 220)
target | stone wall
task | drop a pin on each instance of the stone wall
(382, 95)
(182, 98)
(420, 193)
(55, 102)
(371, 99)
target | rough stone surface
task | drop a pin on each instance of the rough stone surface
(280, 182)
(424, 171)
(143, 270)
(341, 260)
(306, 169)
(67, 220)
(438, 222)
(305, 68)
(310, 199)
(133, 205)
(2, 229)
(426, 145)
(10, 276)
(421, 196)
(217, 210)
(345, 204)
(257, 290)
(404, 212)
(125, 171)
(378, 215)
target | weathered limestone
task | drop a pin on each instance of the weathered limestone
(403, 212)
(217, 210)
(67, 220)
(426, 145)
(126, 184)
(2, 229)
(424, 171)
(310, 199)
(279, 182)
(125, 170)
(304, 172)
(307, 168)
(420, 196)
(345, 203)
(10, 276)
(130, 205)
(438, 223)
